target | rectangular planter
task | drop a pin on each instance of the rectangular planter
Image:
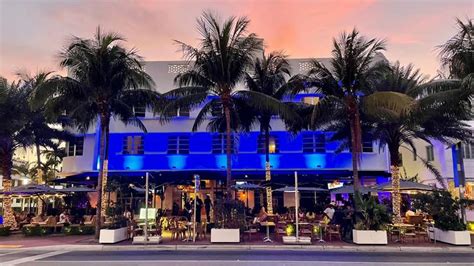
(110, 236)
(458, 238)
(225, 235)
(369, 237)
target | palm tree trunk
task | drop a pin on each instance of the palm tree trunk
(102, 178)
(7, 162)
(228, 153)
(356, 140)
(39, 169)
(268, 176)
(395, 176)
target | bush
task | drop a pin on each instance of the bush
(230, 214)
(5, 231)
(36, 230)
(78, 230)
(370, 214)
(443, 208)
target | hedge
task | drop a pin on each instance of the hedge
(5, 231)
(78, 230)
(37, 230)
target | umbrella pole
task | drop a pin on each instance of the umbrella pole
(296, 205)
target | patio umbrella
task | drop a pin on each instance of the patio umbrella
(350, 190)
(67, 190)
(30, 190)
(406, 185)
(292, 189)
(247, 187)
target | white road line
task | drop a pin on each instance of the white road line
(33, 258)
(10, 253)
(254, 262)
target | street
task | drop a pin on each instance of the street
(232, 257)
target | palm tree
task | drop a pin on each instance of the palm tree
(105, 81)
(14, 133)
(395, 129)
(352, 72)
(457, 56)
(46, 134)
(269, 76)
(218, 65)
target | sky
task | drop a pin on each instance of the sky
(33, 32)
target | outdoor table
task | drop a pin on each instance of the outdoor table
(321, 225)
(400, 227)
(189, 226)
(267, 224)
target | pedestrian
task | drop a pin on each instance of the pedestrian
(207, 206)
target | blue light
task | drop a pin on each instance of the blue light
(315, 160)
(177, 161)
(274, 161)
(133, 162)
(221, 161)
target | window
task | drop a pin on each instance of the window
(272, 145)
(181, 112)
(178, 145)
(314, 143)
(139, 111)
(311, 100)
(367, 145)
(468, 150)
(133, 145)
(75, 147)
(219, 143)
(429, 153)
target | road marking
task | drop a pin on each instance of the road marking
(10, 253)
(33, 258)
(254, 262)
(11, 246)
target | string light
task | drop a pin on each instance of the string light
(396, 199)
(268, 189)
(8, 217)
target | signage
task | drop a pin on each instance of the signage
(335, 184)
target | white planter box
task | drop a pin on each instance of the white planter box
(225, 235)
(110, 236)
(451, 237)
(369, 237)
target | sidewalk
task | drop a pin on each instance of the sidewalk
(88, 243)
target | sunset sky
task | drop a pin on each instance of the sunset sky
(32, 32)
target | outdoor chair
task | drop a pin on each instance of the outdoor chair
(422, 231)
(333, 230)
(251, 229)
(409, 233)
(415, 219)
(281, 229)
(201, 230)
(89, 220)
(306, 230)
(393, 232)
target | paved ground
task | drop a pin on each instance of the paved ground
(232, 257)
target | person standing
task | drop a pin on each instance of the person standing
(199, 204)
(207, 206)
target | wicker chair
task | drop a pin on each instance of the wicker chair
(333, 230)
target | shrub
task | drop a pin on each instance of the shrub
(5, 231)
(230, 214)
(370, 214)
(36, 230)
(78, 230)
(443, 208)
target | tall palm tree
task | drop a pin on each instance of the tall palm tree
(47, 134)
(217, 66)
(395, 129)
(105, 81)
(456, 56)
(350, 76)
(269, 75)
(14, 133)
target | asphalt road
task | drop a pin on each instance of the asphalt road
(231, 258)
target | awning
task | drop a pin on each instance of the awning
(406, 185)
(350, 190)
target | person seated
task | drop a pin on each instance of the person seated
(410, 212)
(301, 215)
(261, 217)
(310, 215)
(64, 217)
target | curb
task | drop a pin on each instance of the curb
(331, 248)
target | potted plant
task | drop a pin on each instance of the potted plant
(371, 222)
(117, 230)
(229, 221)
(448, 226)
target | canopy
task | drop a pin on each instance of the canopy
(75, 189)
(30, 190)
(350, 190)
(406, 185)
(247, 186)
(292, 189)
